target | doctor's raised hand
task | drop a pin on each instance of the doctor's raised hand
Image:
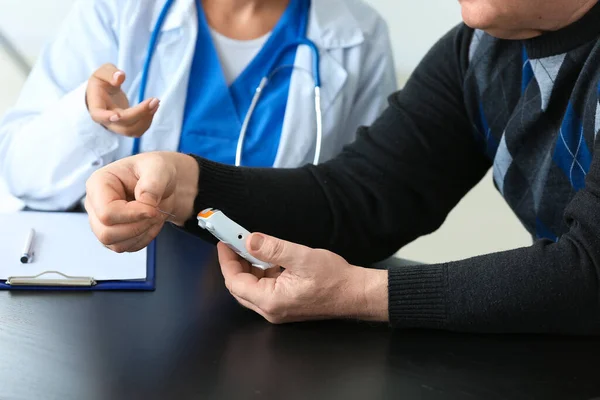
(129, 200)
(108, 104)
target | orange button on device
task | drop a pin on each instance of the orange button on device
(205, 213)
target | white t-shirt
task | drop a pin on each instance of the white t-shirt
(235, 55)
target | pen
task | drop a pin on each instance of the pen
(28, 249)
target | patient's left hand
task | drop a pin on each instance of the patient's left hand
(315, 284)
(124, 199)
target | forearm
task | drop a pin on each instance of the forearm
(383, 190)
(545, 288)
(47, 155)
(285, 203)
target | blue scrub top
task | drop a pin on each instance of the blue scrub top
(214, 112)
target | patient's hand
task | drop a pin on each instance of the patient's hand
(315, 284)
(108, 105)
(124, 199)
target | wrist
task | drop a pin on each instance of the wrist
(186, 188)
(370, 291)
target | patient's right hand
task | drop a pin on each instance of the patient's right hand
(124, 198)
(108, 105)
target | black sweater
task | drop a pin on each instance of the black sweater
(527, 108)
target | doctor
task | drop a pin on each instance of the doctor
(124, 77)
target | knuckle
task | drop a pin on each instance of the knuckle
(274, 319)
(231, 287)
(103, 216)
(319, 256)
(228, 286)
(87, 206)
(138, 231)
(276, 249)
(118, 249)
(104, 237)
(271, 308)
(92, 86)
(107, 67)
(158, 161)
(96, 118)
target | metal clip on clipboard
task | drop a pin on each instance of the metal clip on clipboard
(37, 280)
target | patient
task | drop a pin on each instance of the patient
(85, 103)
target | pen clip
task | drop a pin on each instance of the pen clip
(37, 281)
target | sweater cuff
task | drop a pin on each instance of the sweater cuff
(217, 184)
(417, 296)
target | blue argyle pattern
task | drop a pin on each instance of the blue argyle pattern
(536, 120)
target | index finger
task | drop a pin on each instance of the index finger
(100, 115)
(110, 74)
(231, 263)
(133, 114)
(238, 279)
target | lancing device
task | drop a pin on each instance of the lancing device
(28, 249)
(230, 233)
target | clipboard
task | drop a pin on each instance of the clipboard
(47, 280)
(53, 279)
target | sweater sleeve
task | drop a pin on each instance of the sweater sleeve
(398, 181)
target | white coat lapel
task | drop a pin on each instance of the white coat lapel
(332, 28)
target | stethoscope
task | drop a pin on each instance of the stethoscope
(272, 70)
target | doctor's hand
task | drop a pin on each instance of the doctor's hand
(314, 284)
(124, 199)
(108, 105)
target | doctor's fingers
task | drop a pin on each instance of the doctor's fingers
(146, 109)
(101, 116)
(135, 131)
(105, 111)
(110, 74)
(133, 122)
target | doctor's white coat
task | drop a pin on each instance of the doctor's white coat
(49, 145)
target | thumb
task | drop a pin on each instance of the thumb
(277, 251)
(155, 179)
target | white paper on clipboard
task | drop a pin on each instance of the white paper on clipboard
(63, 242)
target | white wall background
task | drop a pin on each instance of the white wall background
(415, 26)
(480, 224)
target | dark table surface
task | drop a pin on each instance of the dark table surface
(190, 340)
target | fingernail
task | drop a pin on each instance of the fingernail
(114, 118)
(153, 103)
(116, 75)
(256, 241)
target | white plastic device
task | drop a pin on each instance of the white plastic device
(230, 233)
